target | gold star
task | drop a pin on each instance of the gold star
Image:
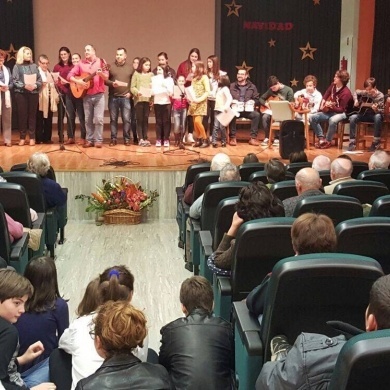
(244, 66)
(11, 53)
(294, 83)
(307, 51)
(233, 8)
(316, 2)
(271, 42)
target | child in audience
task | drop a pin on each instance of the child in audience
(90, 300)
(250, 158)
(223, 100)
(47, 314)
(15, 290)
(115, 284)
(275, 171)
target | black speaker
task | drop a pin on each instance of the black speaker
(291, 138)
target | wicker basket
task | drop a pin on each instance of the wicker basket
(122, 217)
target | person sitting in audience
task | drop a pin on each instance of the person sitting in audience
(90, 301)
(312, 358)
(255, 201)
(228, 173)
(380, 159)
(310, 233)
(307, 183)
(115, 284)
(321, 163)
(197, 350)
(118, 329)
(297, 157)
(275, 171)
(340, 171)
(47, 314)
(250, 158)
(3, 263)
(39, 164)
(15, 228)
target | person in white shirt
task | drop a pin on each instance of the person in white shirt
(312, 96)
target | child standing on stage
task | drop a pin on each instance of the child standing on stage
(180, 106)
(142, 78)
(223, 100)
(198, 107)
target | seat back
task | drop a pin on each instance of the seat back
(306, 291)
(262, 176)
(381, 175)
(381, 207)
(193, 170)
(325, 177)
(15, 202)
(281, 110)
(213, 194)
(247, 169)
(201, 181)
(33, 186)
(223, 219)
(5, 244)
(358, 166)
(363, 363)
(368, 236)
(23, 167)
(260, 244)
(297, 166)
(284, 189)
(364, 190)
(337, 207)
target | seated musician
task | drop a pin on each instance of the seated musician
(276, 91)
(336, 102)
(310, 95)
(244, 91)
(368, 107)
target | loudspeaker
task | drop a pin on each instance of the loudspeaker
(291, 137)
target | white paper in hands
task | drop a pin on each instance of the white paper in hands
(30, 79)
(226, 117)
(145, 92)
(52, 77)
(190, 93)
(121, 83)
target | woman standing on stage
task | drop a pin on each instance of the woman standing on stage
(27, 83)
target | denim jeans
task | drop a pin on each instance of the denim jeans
(218, 126)
(37, 374)
(376, 119)
(122, 104)
(332, 118)
(179, 121)
(254, 116)
(94, 116)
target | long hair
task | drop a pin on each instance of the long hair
(42, 273)
(199, 70)
(141, 63)
(215, 69)
(188, 62)
(20, 57)
(90, 300)
(69, 62)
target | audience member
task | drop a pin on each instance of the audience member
(3, 263)
(39, 164)
(297, 157)
(380, 159)
(312, 358)
(250, 158)
(15, 290)
(307, 183)
(321, 163)
(340, 171)
(90, 301)
(119, 329)
(197, 350)
(47, 314)
(229, 172)
(15, 228)
(275, 171)
(255, 201)
(115, 284)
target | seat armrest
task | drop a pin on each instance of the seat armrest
(186, 207)
(224, 285)
(195, 224)
(18, 247)
(205, 238)
(40, 222)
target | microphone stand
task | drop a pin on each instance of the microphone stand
(181, 145)
(61, 136)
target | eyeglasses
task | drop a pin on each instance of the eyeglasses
(92, 334)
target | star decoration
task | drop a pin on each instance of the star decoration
(316, 2)
(307, 51)
(271, 42)
(233, 8)
(244, 66)
(11, 53)
(294, 83)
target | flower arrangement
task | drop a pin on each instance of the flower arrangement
(119, 193)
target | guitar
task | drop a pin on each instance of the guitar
(327, 105)
(79, 91)
(277, 98)
(365, 104)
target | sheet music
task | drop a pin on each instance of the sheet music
(226, 117)
(190, 93)
(145, 92)
(30, 78)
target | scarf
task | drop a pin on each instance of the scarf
(48, 96)
(7, 94)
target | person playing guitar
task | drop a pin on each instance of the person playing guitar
(370, 106)
(89, 74)
(336, 102)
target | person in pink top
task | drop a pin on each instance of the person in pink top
(15, 229)
(94, 98)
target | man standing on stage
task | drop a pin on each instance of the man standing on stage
(119, 96)
(94, 98)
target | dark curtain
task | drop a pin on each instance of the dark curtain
(291, 24)
(16, 30)
(380, 47)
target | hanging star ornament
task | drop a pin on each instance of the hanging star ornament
(307, 51)
(244, 66)
(11, 53)
(233, 8)
(271, 43)
(294, 83)
(316, 2)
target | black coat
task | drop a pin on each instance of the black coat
(198, 352)
(125, 372)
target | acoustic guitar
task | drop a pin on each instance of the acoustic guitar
(364, 106)
(79, 91)
(277, 98)
(334, 101)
